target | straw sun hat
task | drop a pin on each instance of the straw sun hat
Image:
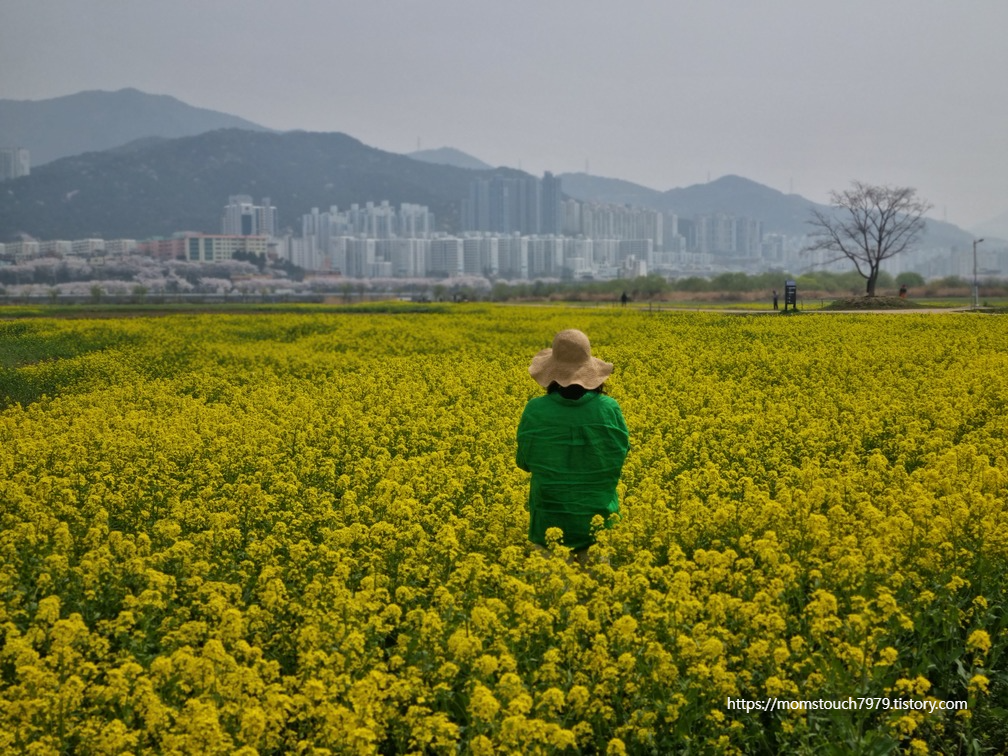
(569, 361)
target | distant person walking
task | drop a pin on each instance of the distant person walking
(624, 298)
(775, 299)
(573, 440)
(903, 291)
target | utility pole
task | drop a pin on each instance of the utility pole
(976, 287)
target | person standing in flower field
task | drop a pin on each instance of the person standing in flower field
(574, 441)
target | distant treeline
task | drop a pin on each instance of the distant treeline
(656, 287)
(135, 276)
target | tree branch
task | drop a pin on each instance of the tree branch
(868, 224)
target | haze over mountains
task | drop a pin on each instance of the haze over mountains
(96, 120)
(131, 165)
(451, 156)
(165, 186)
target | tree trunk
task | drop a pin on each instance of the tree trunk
(872, 278)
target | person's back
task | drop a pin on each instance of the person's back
(573, 440)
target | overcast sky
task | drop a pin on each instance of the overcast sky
(800, 95)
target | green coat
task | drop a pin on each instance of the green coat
(575, 450)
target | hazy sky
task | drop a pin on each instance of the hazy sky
(801, 95)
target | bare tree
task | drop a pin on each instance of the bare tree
(868, 224)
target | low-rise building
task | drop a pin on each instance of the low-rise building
(55, 247)
(87, 247)
(23, 250)
(217, 247)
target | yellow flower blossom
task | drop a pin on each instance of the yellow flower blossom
(303, 530)
(887, 657)
(979, 641)
(978, 684)
(482, 704)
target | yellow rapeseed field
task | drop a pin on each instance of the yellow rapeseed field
(304, 532)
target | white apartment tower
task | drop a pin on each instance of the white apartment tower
(14, 163)
(244, 218)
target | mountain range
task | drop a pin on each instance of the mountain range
(450, 156)
(131, 165)
(162, 186)
(95, 120)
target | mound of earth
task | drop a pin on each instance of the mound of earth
(872, 303)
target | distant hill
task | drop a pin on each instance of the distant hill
(780, 213)
(588, 188)
(154, 185)
(97, 120)
(995, 228)
(157, 187)
(450, 156)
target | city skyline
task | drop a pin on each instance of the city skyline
(803, 98)
(597, 241)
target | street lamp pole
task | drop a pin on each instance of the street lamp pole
(976, 288)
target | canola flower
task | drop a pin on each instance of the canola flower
(304, 532)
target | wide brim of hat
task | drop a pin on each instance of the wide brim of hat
(590, 374)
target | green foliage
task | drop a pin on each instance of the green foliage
(38, 359)
(693, 283)
(821, 280)
(165, 186)
(863, 302)
(732, 282)
(910, 279)
(294, 272)
(653, 286)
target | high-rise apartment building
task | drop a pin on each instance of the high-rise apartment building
(551, 202)
(373, 221)
(725, 235)
(407, 258)
(242, 217)
(514, 204)
(446, 257)
(480, 255)
(512, 256)
(14, 163)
